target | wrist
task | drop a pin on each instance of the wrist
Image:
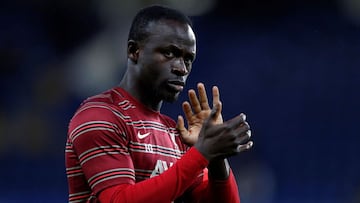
(219, 169)
(202, 151)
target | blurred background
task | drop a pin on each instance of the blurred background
(291, 66)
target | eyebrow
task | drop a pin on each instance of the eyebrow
(179, 50)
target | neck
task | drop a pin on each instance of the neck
(145, 97)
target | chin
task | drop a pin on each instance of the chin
(171, 98)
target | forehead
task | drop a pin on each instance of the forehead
(171, 32)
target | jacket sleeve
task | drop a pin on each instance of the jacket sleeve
(163, 188)
(213, 191)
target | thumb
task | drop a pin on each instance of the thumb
(180, 125)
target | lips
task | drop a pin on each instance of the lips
(177, 85)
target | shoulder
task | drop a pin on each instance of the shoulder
(93, 109)
(97, 110)
(106, 105)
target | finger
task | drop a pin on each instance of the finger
(214, 114)
(218, 107)
(236, 122)
(216, 95)
(187, 110)
(244, 137)
(248, 134)
(244, 147)
(242, 128)
(195, 104)
(211, 121)
(216, 111)
(204, 103)
(180, 125)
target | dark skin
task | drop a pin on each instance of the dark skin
(159, 66)
(157, 71)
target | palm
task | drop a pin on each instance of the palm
(196, 112)
(195, 125)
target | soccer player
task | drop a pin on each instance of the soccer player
(120, 148)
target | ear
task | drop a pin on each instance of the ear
(133, 51)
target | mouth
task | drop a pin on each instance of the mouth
(176, 85)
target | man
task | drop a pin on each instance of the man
(120, 148)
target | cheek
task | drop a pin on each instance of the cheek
(159, 65)
(156, 73)
(155, 67)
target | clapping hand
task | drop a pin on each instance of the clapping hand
(197, 111)
(206, 130)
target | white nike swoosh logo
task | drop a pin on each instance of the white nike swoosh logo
(142, 136)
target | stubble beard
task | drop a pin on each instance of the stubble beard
(171, 98)
(167, 95)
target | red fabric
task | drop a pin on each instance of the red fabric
(173, 183)
(104, 148)
(215, 191)
(107, 160)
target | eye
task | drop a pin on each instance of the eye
(168, 54)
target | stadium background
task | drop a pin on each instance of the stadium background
(291, 66)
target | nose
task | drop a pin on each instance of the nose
(179, 68)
